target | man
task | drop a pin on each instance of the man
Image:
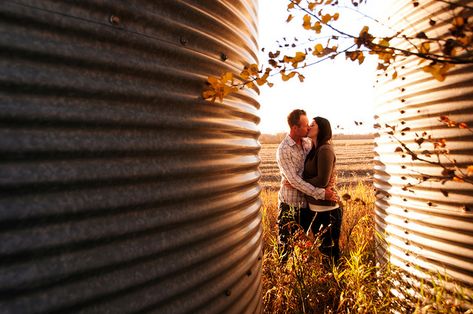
(290, 157)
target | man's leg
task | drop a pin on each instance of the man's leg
(287, 225)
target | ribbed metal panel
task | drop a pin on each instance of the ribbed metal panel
(121, 189)
(429, 226)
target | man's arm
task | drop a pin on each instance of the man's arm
(283, 159)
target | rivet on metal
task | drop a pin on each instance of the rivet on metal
(115, 20)
(183, 41)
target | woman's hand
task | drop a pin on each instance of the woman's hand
(329, 194)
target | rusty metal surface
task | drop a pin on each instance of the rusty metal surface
(428, 225)
(121, 189)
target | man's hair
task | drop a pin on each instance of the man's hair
(294, 117)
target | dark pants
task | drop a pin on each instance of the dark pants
(327, 223)
(326, 226)
(288, 223)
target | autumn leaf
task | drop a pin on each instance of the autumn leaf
(437, 70)
(274, 55)
(299, 57)
(219, 87)
(289, 18)
(469, 170)
(262, 80)
(424, 48)
(317, 27)
(287, 77)
(364, 38)
(355, 55)
(458, 21)
(321, 51)
(273, 63)
(458, 179)
(306, 24)
(326, 18)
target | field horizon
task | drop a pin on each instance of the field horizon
(354, 163)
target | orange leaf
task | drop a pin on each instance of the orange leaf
(458, 21)
(326, 18)
(228, 76)
(289, 18)
(458, 179)
(306, 20)
(317, 27)
(212, 80)
(469, 170)
(286, 77)
(424, 47)
(206, 94)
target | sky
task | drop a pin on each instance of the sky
(339, 90)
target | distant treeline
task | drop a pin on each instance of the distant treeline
(277, 138)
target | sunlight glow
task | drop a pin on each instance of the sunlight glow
(339, 90)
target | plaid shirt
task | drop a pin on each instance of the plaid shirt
(290, 158)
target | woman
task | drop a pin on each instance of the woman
(319, 170)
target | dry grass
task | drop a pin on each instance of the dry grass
(357, 285)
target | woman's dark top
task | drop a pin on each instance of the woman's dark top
(319, 170)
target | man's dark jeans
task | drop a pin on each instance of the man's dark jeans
(289, 221)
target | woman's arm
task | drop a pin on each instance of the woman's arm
(325, 162)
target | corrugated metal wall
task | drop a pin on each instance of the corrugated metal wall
(121, 189)
(429, 225)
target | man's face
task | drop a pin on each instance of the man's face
(303, 128)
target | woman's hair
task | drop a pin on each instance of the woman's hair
(325, 131)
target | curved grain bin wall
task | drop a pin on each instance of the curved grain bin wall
(121, 189)
(428, 225)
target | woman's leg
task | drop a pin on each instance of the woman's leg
(327, 226)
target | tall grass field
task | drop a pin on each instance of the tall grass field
(358, 284)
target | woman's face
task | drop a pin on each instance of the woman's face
(314, 130)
